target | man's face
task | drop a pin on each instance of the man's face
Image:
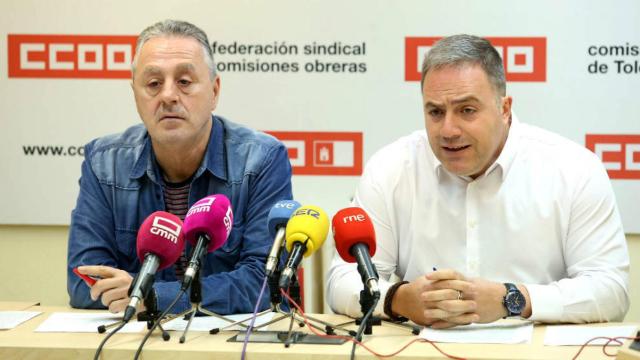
(466, 124)
(174, 92)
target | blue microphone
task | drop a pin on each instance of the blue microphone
(277, 222)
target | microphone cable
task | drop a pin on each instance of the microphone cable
(253, 320)
(617, 341)
(363, 324)
(104, 341)
(157, 322)
(348, 338)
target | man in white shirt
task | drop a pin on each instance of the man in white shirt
(484, 217)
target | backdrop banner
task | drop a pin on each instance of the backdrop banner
(334, 80)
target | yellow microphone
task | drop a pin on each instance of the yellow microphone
(306, 232)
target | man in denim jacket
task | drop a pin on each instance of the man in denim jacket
(180, 154)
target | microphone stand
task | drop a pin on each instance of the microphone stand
(150, 303)
(195, 297)
(292, 336)
(366, 302)
(151, 315)
(275, 299)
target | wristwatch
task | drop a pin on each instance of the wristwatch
(513, 301)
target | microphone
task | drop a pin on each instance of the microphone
(306, 231)
(355, 241)
(206, 226)
(159, 244)
(277, 222)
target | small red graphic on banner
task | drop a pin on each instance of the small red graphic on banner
(524, 58)
(70, 56)
(323, 153)
(620, 154)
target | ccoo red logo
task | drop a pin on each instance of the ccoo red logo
(323, 153)
(70, 56)
(524, 58)
(620, 154)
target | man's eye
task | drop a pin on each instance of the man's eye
(153, 84)
(184, 82)
(468, 110)
(435, 112)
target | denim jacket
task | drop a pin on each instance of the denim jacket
(121, 184)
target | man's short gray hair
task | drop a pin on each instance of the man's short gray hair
(176, 28)
(457, 50)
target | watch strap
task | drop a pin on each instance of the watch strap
(389, 298)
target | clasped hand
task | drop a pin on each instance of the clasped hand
(446, 298)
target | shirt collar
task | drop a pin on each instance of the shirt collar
(214, 160)
(503, 162)
(508, 153)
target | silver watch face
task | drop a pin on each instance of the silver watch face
(515, 302)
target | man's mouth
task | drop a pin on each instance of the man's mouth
(171, 117)
(455, 148)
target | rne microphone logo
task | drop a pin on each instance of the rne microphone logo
(70, 56)
(620, 154)
(166, 228)
(524, 58)
(203, 205)
(323, 153)
(353, 218)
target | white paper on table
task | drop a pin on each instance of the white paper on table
(206, 323)
(579, 335)
(493, 333)
(86, 322)
(11, 319)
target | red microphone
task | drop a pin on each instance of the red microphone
(206, 226)
(355, 241)
(159, 244)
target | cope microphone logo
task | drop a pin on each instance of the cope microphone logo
(309, 212)
(620, 154)
(203, 205)
(524, 58)
(166, 228)
(323, 153)
(70, 56)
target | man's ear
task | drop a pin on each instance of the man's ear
(507, 102)
(216, 92)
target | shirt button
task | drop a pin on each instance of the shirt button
(472, 224)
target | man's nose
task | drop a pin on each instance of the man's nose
(169, 92)
(450, 127)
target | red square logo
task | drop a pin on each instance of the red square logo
(118, 57)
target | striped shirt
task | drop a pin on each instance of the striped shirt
(176, 200)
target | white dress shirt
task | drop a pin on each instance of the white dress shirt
(542, 215)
